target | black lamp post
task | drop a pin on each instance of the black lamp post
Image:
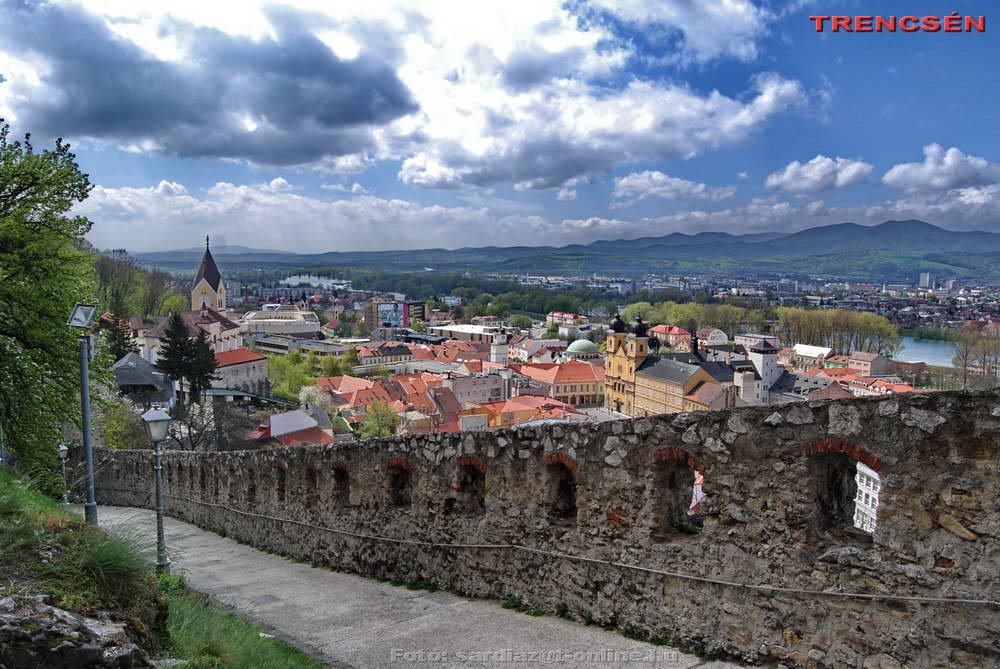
(156, 421)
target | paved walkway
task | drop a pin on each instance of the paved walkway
(349, 621)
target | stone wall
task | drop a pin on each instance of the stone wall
(778, 480)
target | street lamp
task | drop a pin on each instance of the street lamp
(83, 317)
(63, 454)
(156, 421)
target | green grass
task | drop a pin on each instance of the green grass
(47, 549)
(209, 637)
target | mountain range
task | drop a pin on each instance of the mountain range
(889, 250)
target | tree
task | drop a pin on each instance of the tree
(289, 374)
(117, 278)
(175, 353)
(120, 339)
(965, 348)
(44, 271)
(201, 368)
(418, 326)
(351, 358)
(380, 421)
(155, 290)
(521, 321)
(329, 366)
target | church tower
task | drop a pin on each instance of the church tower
(208, 289)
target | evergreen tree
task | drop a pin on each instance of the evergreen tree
(120, 339)
(174, 358)
(201, 368)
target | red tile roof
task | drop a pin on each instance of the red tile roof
(237, 356)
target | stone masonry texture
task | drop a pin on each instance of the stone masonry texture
(778, 512)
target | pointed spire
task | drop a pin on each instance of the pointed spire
(206, 242)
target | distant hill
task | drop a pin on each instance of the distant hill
(893, 249)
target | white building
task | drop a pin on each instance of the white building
(285, 319)
(866, 502)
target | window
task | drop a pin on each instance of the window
(837, 490)
(470, 497)
(341, 487)
(280, 483)
(312, 487)
(400, 486)
(562, 492)
(251, 487)
(678, 500)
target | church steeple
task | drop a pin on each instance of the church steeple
(208, 289)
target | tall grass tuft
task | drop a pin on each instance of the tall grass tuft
(114, 562)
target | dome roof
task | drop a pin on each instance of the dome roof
(618, 325)
(582, 346)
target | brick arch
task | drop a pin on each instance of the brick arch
(673, 453)
(469, 461)
(828, 445)
(562, 458)
(398, 461)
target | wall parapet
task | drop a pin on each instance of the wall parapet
(592, 522)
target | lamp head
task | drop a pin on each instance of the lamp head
(156, 422)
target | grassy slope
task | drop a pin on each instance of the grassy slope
(47, 549)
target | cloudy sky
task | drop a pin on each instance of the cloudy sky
(359, 125)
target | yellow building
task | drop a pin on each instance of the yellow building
(663, 386)
(208, 289)
(638, 383)
(624, 352)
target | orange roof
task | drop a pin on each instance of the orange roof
(236, 357)
(312, 435)
(671, 330)
(574, 371)
(343, 384)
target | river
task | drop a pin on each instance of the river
(932, 351)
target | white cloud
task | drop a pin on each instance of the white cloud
(566, 194)
(640, 185)
(276, 185)
(819, 174)
(511, 93)
(709, 30)
(169, 216)
(942, 170)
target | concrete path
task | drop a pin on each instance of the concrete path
(349, 621)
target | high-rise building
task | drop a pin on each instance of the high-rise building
(926, 280)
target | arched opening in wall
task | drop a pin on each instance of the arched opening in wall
(280, 482)
(847, 482)
(215, 484)
(470, 489)
(312, 487)
(400, 483)
(251, 486)
(836, 488)
(201, 479)
(677, 485)
(562, 492)
(341, 486)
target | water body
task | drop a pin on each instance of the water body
(931, 351)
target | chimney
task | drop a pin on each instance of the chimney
(694, 344)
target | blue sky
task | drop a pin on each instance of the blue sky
(412, 124)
